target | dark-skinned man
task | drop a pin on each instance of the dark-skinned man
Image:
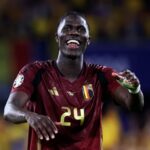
(62, 99)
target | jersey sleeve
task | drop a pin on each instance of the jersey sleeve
(24, 79)
(112, 84)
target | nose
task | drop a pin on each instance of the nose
(74, 31)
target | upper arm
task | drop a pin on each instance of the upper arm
(111, 85)
(16, 102)
(133, 102)
(22, 88)
(18, 99)
(122, 96)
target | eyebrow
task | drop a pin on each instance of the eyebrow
(64, 23)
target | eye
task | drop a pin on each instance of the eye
(81, 29)
(66, 28)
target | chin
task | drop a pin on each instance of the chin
(72, 53)
(71, 56)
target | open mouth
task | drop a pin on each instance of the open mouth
(73, 44)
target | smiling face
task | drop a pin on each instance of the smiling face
(72, 35)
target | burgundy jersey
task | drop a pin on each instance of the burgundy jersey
(76, 105)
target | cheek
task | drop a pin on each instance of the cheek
(61, 44)
(85, 41)
(60, 41)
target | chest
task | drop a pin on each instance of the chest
(69, 103)
(78, 93)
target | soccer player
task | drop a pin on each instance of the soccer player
(62, 99)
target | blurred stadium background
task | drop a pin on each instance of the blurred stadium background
(120, 32)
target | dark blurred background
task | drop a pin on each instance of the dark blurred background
(120, 31)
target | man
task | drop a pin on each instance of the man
(62, 100)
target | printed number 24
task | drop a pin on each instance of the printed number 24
(76, 116)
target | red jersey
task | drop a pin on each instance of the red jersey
(76, 105)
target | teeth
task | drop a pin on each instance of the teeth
(73, 41)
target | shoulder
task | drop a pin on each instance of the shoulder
(105, 75)
(35, 66)
(101, 68)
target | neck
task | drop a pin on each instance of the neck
(69, 67)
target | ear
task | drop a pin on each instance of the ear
(89, 40)
(56, 37)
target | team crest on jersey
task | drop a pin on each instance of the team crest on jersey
(88, 92)
(18, 81)
(53, 91)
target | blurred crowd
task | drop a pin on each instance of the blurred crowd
(27, 33)
(27, 27)
(109, 19)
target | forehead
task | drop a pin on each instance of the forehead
(75, 20)
(72, 20)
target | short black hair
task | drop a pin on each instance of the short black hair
(72, 13)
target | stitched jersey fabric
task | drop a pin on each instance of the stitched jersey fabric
(76, 105)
